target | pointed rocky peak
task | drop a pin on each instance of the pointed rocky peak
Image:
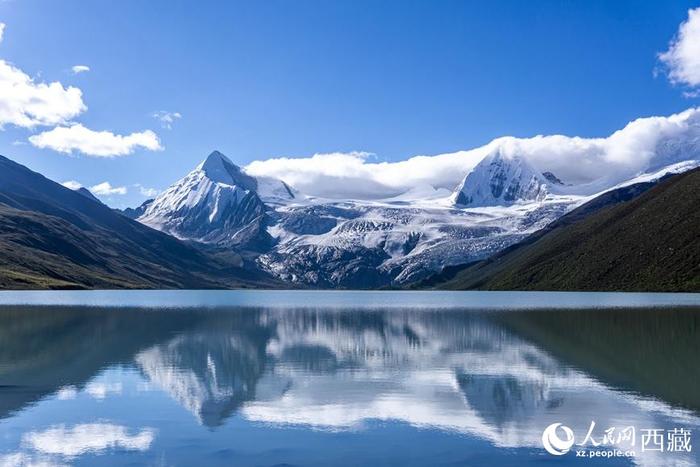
(219, 169)
(502, 179)
(214, 161)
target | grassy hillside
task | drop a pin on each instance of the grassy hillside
(647, 243)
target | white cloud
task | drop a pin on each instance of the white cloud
(72, 184)
(101, 390)
(166, 118)
(642, 144)
(106, 189)
(80, 69)
(148, 192)
(26, 103)
(95, 143)
(101, 189)
(87, 438)
(682, 58)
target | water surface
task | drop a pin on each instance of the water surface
(344, 378)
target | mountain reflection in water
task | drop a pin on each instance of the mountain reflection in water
(500, 377)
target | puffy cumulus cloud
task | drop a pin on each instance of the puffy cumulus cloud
(643, 144)
(166, 118)
(26, 103)
(76, 69)
(87, 438)
(106, 189)
(101, 189)
(95, 143)
(72, 184)
(682, 59)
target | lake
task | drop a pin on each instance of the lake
(260, 378)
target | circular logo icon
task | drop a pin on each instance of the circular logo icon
(553, 443)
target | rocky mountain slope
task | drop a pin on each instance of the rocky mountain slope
(53, 237)
(619, 241)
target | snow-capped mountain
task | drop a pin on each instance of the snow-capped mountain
(501, 179)
(215, 203)
(370, 243)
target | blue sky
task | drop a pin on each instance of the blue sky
(258, 80)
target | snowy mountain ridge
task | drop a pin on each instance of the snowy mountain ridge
(371, 243)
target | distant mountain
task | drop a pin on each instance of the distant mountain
(642, 237)
(216, 203)
(53, 237)
(135, 213)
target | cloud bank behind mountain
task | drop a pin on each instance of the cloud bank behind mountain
(642, 145)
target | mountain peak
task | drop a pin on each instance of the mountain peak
(217, 156)
(219, 168)
(502, 179)
(216, 160)
(88, 194)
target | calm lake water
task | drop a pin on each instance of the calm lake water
(347, 378)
